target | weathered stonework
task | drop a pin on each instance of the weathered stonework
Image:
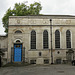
(40, 23)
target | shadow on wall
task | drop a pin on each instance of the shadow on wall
(0, 61)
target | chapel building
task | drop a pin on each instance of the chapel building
(41, 39)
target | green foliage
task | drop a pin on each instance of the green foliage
(21, 9)
(35, 8)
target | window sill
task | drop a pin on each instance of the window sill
(58, 48)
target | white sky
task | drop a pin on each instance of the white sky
(49, 7)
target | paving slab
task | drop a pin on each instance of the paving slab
(39, 70)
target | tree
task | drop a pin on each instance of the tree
(21, 9)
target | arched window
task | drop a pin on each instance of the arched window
(45, 39)
(68, 39)
(18, 31)
(33, 39)
(17, 41)
(57, 39)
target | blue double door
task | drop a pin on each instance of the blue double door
(17, 52)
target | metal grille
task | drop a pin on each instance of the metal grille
(57, 39)
(68, 39)
(33, 40)
(45, 39)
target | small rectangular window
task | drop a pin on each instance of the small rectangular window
(46, 61)
(32, 61)
(58, 61)
(40, 54)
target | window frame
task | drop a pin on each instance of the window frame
(33, 40)
(57, 39)
(69, 38)
(46, 38)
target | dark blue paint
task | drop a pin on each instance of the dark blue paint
(17, 52)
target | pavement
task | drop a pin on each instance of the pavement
(62, 69)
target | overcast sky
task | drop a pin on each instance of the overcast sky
(49, 7)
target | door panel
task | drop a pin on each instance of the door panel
(17, 53)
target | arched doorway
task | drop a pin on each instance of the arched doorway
(18, 51)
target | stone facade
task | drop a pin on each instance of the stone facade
(26, 24)
(4, 47)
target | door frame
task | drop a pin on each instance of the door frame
(21, 50)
